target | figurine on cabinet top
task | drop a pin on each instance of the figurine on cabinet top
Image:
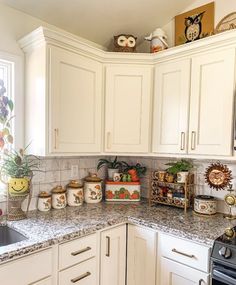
(124, 43)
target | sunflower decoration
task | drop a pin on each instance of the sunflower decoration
(218, 176)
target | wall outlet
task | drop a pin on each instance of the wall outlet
(74, 171)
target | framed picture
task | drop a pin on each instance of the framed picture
(195, 24)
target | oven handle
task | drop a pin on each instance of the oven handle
(222, 276)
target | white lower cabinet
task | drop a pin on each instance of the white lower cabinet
(174, 273)
(34, 269)
(182, 262)
(82, 274)
(141, 256)
(113, 256)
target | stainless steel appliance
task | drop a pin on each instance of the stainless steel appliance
(223, 259)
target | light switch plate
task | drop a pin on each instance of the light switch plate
(74, 171)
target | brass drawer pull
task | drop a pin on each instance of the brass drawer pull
(80, 251)
(193, 140)
(55, 138)
(74, 280)
(182, 144)
(182, 253)
(108, 140)
(108, 246)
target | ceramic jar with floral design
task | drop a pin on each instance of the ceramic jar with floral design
(44, 201)
(75, 193)
(58, 197)
(93, 189)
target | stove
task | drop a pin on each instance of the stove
(223, 259)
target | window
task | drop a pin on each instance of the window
(11, 73)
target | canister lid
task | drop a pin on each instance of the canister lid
(58, 189)
(44, 194)
(205, 197)
(93, 178)
(74, 184)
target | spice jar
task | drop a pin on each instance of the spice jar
(44, 201)
(75, 194)
(58, 197)
(93, 189)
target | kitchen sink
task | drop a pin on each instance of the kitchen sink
(9, 236)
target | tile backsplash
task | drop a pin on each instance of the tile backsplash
(54, 171)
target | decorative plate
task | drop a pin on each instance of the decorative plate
(218, 176)
(227, 23)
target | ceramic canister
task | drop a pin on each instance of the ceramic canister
(58, 197)
(93, 189)
(204, 204)
(75, 193)
(44, 201)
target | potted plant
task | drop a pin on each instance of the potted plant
(135, 171)
(180, 169)
(113, 166)
(18, 168)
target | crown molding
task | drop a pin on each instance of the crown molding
(60, 38)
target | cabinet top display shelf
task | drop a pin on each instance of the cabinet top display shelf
(72, 42)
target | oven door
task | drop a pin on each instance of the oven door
(223, 275)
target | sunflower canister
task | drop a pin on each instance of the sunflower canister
(93, 189)
(59, 197)
(44, 201)
(75, 193)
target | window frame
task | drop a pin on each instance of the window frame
(18, 98)
(17, 122)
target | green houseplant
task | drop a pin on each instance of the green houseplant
(113, 166)
(180, 169)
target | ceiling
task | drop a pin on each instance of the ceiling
(99, 20)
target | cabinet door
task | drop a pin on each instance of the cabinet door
(141, 256)
(75, 102)
(171, 105)
(173, 273)
(127, 121)
(211, 107)
(113, 256)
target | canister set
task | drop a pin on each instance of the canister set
(74, 194)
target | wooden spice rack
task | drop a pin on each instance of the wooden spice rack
(182, 192)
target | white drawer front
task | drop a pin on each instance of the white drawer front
(186, 252)
(81, 274)
(77, 251)
(28, 269)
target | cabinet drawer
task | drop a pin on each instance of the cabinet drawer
(186, 252)
(81, 274)
(28, 269)
(77, 251)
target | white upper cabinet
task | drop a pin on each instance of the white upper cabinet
(193, 105)
(75, 94)
(171, 107)
(211, 107)
(127, 110)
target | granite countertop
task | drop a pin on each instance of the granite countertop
(47, 228)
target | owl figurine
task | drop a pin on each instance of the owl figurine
(193, 27)
(124, 43)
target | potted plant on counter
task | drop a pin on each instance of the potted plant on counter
(135, 171)
(180, 169)
(113, 166)
(18, 168)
